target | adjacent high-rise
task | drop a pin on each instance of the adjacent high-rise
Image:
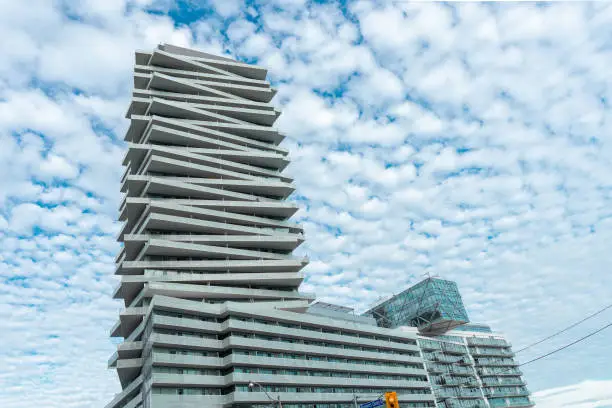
(213, 317)
(469, 366)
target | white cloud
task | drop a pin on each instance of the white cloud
(227, 8)
(587, 394)
(240, 29)
(310, 114)
(494, 171)
(58, 167)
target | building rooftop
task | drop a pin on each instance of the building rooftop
(339, 312)
(331, 306)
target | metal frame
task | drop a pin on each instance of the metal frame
(424, 325)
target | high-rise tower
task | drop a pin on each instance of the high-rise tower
(205, 211)
(207, 273)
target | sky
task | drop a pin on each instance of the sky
(469, 141)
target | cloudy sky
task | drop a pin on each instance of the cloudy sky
(469, 141)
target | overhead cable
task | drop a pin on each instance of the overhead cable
(564, 330)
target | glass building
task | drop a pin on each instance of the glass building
(474, 369)
(468, 364)
(433, 306)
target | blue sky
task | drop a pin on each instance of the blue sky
(471, 141)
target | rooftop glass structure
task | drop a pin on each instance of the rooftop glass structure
(433, 306)
(475, 327)
(468, 364)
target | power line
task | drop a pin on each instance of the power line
(564, 330)
(542, 356)
(568, 345)
(461, 360)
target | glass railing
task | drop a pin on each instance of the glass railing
(453, 348)
(482, 341)
(449, 359)
(497, 403)
(447, 381)
(510, 402)
(429, 345)
(520, 402)
(498, 371)
(491, 351)
(456, 403)
(507, 392)
(492, 382)
(459, 392)
(503, 362)
(440, 368)
(461, 370)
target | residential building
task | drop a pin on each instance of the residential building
(468, 364)
(213, 316)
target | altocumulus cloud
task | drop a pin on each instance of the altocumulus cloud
(470, 141)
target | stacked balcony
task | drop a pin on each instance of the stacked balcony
(499, 372)
(205, 212)
(451, 373)
(207, 271)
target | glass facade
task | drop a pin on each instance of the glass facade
(471, 327)
(433, 305)
(463, 374)
(468, 365)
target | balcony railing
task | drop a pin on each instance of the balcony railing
(521, 392)
(429, 345)
(459, 392)
(505, 362)
(446, 381)
(451, 369)
(454, 348)
(449, 359)
(515, 402)
(494, 382)
(482, 341)
(491, 351)
(457, 403)
(498, 371)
